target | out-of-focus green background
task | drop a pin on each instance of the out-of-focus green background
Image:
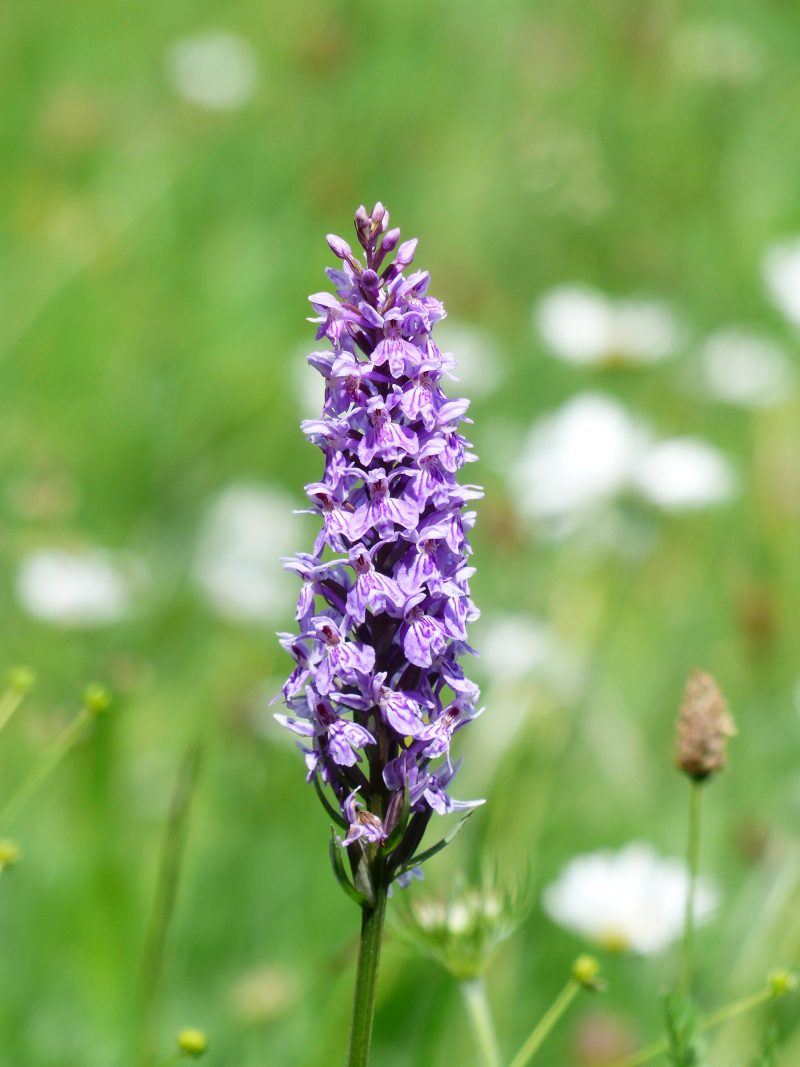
(157, 245)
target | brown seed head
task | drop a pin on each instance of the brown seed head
(704, 725)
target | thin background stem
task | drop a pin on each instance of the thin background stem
(693, 861)
(473, 991)
(546, 1024)
(169, 869)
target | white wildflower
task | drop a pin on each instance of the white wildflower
(82, 587)
(213, 70)
(744, 369)
(247, 528)
(684, 474)
(631, 900)
(577, 458)
(781, 272)
(582, 325)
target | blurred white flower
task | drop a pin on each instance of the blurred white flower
(781, 272)
(479, 363)
(742, 368)
(214, 70)
(247, 528)
(577, 458)
(83, 587)
(581, 325)
(683, 474)
(718, 51)
(630, 900)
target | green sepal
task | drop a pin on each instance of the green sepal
(337, 816)
(362, 876)
(415, 861)
(341, 874)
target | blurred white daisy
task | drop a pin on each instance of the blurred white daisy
(582, 325)
(479, 363)
(781, 272)
(80, 587)
(245, 531)
(684, 474)
(631, 900)
(214, 70)
(742, 368)
(577, 458)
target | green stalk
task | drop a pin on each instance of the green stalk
(9, 702)
(473, 990)
(722, 1015)
(51, 759)
(369, 954)
(173, 846)
(693, 861)
(547, 1023)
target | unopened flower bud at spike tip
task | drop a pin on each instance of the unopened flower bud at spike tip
(9, 854)
(338, 246)
(97, 699)
(192, 1042)
(704, 726)
(21, 679)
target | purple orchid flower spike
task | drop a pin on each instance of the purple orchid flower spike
(378, 690)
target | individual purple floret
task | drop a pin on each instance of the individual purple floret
(377, 691)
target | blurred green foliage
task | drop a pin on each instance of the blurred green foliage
(156, 259)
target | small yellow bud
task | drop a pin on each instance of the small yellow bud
(193, 1042)
(97, 699)
(782, 982)
(21, 679)
(585, 970)
(9, 854)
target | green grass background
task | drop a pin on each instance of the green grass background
(155, 262)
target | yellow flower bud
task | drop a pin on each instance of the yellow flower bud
(782, 982)
(97, 699)
(585, 970)
(193, 1042)
(9, 854)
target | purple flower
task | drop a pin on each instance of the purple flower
(377, 691)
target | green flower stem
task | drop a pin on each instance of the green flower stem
(9, 702)
(51, 759)
(369, 955)
(693, 861)
(548, 1021)
(716, 1018)
(473, 990)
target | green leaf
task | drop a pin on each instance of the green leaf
(337, 816)
(686, 1048)
(341, 874)
(415, 861)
